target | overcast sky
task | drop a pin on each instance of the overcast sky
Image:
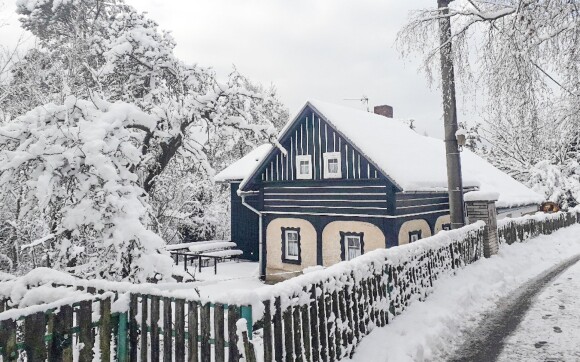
(322, 49)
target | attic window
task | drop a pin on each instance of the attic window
(304, 167)
(332, 165)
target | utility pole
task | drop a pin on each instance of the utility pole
(454, 181)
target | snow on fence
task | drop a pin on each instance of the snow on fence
(323, 315)
(318, 316)
(522, 228)
(126, 322)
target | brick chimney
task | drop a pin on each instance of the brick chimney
(385, 111)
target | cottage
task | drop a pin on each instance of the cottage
(345, 182)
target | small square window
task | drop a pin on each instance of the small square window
(414, 236)
(304, 167)
(332, 165)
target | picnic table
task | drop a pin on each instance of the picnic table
(203, 252)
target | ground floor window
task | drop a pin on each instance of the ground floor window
(446, 226)
(414, 235)
(352, 245)
(291, 245)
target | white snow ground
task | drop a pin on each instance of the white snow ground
(231, 275)
(431, 330)
(550, 329)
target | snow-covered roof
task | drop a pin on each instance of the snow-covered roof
(412, 161)
(243, 167)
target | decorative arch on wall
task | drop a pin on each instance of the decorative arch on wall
(333, 251)
(441, 220)
(275, 262)
(413, 226)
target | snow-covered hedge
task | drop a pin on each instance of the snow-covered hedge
(523, 228)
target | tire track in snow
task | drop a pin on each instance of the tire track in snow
(486, 342)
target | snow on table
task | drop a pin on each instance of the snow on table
(195, 243)
(224, 253)
(432, 329)
(204, 247)
(550, 329)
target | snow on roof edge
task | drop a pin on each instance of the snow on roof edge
(280, 136)
(239, 170)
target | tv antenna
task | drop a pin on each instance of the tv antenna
(364, 100)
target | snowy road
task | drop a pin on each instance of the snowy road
(550, 331)
(436, 329)
(515, 321)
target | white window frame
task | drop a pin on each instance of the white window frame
(288, 256)
(332, 156)
(347, 247)
(299, 174)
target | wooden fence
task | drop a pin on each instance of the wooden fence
(520, 229)
(152, 328)
(325, 321)
(321, 317)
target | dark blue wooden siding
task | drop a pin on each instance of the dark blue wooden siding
(245, 224)
(313, 136)
(421, 202)
(369, 197)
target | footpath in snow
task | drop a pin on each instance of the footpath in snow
(434, 329)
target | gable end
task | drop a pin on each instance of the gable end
(310, 134)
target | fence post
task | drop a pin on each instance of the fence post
(246, 312)
(122, 338)
(481, 206)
